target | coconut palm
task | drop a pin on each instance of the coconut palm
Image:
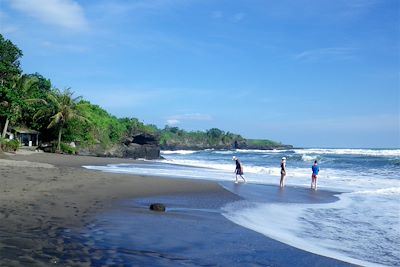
(63, 107)
(20, 89)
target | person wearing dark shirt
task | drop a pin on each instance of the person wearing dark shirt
(283, 172)
(238, 169)
(315, 171)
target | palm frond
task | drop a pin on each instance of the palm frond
(54, 100)
(36, 100)
(55, 119)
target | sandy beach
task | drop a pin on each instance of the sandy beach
(46, 199)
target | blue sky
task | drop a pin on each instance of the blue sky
(309, 73)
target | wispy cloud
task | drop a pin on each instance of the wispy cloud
(330, 53)
(177, 119)
(5, 26)
(172, 122)
(125, 97)
(66, 14)
(120, 7)
(360, 4)
(217, 14)
(239, 17)
(64, 47)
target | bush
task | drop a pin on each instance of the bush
(68, 149)
(9, 145)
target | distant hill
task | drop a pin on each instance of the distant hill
(173, 138)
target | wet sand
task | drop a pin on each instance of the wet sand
(50, 206)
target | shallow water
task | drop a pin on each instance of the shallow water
(362, 227)
(192, 232)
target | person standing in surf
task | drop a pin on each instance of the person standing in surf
(283, 172)
(238, 169)
(315, 171)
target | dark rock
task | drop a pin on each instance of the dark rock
(145, 146)
(142, 145)
(136, 151)
(48, 147)
(128, 140)
(145, 139)
(157, 207)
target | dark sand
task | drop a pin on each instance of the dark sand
(53, 212)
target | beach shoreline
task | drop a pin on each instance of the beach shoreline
(44, 194)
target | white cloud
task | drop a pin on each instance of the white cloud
(335, 53)
(177, 119)
(192, 117)
(118, 7)
(64, 47)
(124, 98)
(172, 122)
(5, 27)
(63, 13)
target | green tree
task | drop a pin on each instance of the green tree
(63, 108)
(9, 61)
(21, 89)
(36, 87)
(9, 72)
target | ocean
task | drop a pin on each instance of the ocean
(362, 227)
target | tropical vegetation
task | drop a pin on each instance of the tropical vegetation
(32, 101)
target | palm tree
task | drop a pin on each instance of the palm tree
(63, 108)
(21, 87)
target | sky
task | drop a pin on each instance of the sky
(308, 73)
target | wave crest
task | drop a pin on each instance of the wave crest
(360, 152)
(181, 152)
(383, 191)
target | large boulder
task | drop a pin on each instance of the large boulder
(157, 207)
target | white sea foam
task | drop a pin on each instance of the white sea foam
(181, 152)
(341, 226)
(221, 166)
(224, 152)
(334, 179)
(262, 151)
(361, 152)
(383, 192)
(229, 167)
(305, 157)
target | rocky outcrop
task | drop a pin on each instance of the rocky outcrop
(141, 146)
(145, 146)
(157, 207)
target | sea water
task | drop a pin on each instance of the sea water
(363, 227)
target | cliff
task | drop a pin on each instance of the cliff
(143, 146)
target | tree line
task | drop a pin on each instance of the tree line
(32, 101)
